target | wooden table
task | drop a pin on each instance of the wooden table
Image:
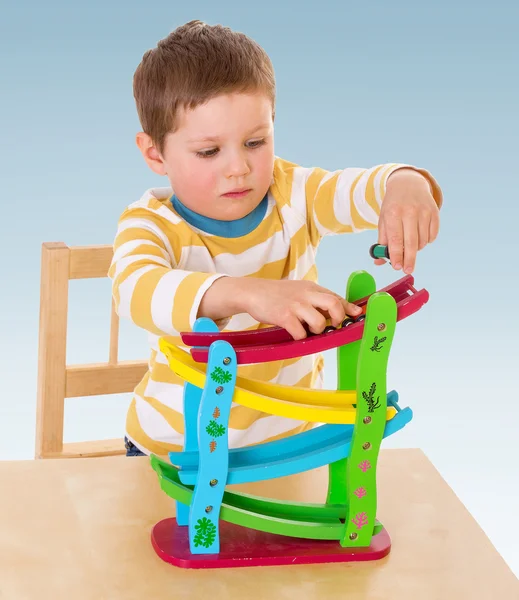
(80, 529)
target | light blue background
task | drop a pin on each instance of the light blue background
(432, 84)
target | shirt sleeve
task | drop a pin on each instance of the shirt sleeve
(147, 287)
(342, 201)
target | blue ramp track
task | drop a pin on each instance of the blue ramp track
(309, 450)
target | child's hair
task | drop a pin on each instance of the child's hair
(193, 64)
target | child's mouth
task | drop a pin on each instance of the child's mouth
(236, 194)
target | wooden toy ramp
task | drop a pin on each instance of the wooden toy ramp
(311, 449)
(275, 343)
(349, 425)
(319, 406)
(311, 521)
(279, 532)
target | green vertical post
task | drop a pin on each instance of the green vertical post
(360, 284)
(370, 422)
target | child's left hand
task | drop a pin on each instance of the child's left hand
(409, 218)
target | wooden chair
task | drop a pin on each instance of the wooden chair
(57, 380)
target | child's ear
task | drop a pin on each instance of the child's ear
(150, 153)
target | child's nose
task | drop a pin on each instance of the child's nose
(237, 166)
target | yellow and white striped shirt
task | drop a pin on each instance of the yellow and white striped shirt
(162, 266)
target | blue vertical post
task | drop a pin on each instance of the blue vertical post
(213, 438)
(192, 397)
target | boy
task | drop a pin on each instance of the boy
(234, 236)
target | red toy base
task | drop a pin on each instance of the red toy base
(242, 547)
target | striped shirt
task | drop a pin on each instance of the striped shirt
(162, 266)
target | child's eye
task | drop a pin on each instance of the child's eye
(207, 153)
(255, 143)
(214, 151)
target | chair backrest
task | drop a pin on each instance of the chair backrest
(57, 380)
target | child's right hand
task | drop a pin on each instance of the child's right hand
(290, 304)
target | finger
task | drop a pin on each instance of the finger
(315, 320)
(295, 328)
(332, 305)
(382, 240)
(382, 236)
(424, 225)
(395, 241)
(352, 309)
(434, 226)
(347, 307)
(410, 242)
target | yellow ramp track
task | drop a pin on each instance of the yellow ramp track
(317, 406)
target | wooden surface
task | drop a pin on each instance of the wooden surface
(52, 348)
(88, 262)
(80, 529)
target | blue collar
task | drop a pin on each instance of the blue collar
(225, 229)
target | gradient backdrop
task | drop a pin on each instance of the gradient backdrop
(433, 84)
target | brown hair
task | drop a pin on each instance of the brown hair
(193, 64)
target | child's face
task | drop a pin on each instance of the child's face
(220, 159)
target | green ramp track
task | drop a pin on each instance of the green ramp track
(310, 521)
